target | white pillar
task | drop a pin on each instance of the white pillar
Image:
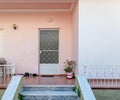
(79, 37)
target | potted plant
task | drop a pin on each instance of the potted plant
(69, 67)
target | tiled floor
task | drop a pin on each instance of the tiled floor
(38, 80)
(61, 80)
(55, 80)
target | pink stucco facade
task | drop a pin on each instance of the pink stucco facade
(21, 46)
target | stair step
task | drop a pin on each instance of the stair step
(50, 98)
(48, 87)
(48, 93)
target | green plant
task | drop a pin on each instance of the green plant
(69, 65)
(68, 69)
(77, 90)
(20, 96)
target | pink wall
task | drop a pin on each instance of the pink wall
(21, 45)
(75, 35)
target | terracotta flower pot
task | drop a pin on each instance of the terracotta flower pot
(69, 75)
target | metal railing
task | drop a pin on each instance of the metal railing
(103, 75)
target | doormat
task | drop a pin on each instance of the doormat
(47, 75)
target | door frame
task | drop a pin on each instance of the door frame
(39, 45)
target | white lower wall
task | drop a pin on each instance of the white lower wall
(99, 40)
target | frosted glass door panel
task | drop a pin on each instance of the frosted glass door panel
(49, 46)
(49, 51)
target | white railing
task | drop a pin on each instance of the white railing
(14, 87)
(86, 91)
(103, 75)
(7, 69)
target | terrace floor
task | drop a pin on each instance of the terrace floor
(39, 80)
(62, 80)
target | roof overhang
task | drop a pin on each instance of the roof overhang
(36, 5)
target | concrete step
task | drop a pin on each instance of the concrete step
(49, 95)
(48, 92)
(48, 87)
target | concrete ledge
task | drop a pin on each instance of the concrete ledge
(13, 87)
(85, 88)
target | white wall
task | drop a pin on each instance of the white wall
(1, 42)
(99, 32)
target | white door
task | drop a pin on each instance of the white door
(49, 51)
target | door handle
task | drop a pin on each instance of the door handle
(40, 51)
